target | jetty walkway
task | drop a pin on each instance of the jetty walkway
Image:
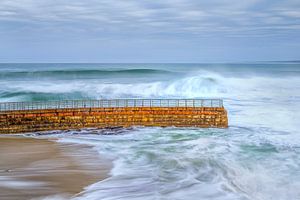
(19, 117)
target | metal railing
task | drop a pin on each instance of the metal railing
(108, 103)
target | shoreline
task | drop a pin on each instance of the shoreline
(33, 168)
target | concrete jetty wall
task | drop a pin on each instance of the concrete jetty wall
(20, 117)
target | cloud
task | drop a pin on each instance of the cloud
(196, 17)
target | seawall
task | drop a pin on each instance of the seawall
(20, 121)
(20, 117)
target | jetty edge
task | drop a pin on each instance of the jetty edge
(21, 117)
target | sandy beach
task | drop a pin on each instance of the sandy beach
(38, 168)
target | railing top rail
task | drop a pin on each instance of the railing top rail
(104, 103)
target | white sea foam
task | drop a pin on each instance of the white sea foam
(193, 164)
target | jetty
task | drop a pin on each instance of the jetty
(21, 117)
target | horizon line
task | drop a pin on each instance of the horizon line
(225, 62)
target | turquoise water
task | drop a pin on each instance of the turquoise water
(257, 157)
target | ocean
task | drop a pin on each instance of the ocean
(257, 157)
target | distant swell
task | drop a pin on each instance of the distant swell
(79, 73)
(40, 96)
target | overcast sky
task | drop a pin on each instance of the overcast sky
(149, 31)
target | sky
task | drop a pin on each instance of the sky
(190, 31)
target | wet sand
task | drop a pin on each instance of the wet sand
(36, 168)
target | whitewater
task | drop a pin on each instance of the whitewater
(257, 157)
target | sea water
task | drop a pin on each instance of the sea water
(257, 157)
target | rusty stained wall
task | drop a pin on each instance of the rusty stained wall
(63, 119)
